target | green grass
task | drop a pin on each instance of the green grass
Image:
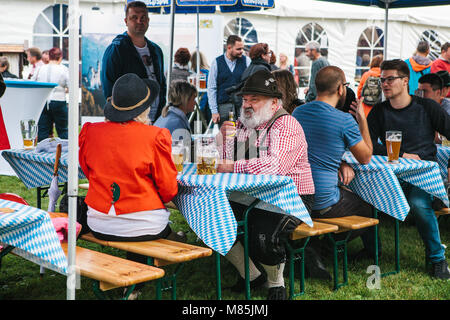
(20, 280)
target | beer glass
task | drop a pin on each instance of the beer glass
(28, 128)
(202, 81)
(178, 151)
(207, 155)
(393, 142)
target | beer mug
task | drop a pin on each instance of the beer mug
(178, 151)
(28, 129)
(393, 142)
(207, 155)
(202, 81)
(192, 79)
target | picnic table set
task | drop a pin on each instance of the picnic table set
(203, 199)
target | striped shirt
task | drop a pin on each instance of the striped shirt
(328, 132)
(282, 152)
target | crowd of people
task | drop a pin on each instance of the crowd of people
(132, 175)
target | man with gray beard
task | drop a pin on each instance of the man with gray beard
(265, 140)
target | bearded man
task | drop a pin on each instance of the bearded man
(265, 140)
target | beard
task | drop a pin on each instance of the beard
(251, 119)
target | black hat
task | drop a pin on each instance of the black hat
(262, 82)
(445, 76)
(131, 96)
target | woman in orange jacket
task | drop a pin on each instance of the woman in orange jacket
(129, 167)
(374, 71)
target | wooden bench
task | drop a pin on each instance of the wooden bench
(345, 224)
(161, 252)
(303, 231)
(111, 272)
(441, 213)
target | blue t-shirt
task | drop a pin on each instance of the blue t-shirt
(328, 133)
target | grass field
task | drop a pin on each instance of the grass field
(20, 280)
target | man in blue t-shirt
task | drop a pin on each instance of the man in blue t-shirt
(329, 132)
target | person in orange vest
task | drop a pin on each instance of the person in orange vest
(419, 64)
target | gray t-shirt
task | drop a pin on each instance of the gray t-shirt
(445, 103)
(315, 67)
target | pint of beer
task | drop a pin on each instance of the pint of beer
(202, 81)
(207, 156)
(28, 129)
(178, 154)
(393, 142)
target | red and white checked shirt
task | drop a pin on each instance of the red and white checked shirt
(283, 152)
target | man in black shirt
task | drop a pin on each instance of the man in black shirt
(418, 119)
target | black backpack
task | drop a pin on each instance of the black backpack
(371, 91)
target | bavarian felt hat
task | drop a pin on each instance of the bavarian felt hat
(131, 96)
(445, 76)
(262, 83)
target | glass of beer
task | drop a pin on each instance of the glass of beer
(393, 142)
(28, 128)
(178, 152)
(202, 81)
(207, 156)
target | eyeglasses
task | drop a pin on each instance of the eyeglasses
(346, 84)
(390, 79)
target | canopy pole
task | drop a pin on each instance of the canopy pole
(172, 29)
(386, 14)
(198, 46)
(72, 187)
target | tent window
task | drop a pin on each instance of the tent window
(432, 38)
(309, 32)
(243, 28)
(51, 29)
(370, 44)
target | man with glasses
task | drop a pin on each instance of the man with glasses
(418, 119)
(329, 133)
(132, 52)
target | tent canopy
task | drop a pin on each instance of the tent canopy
(393, 3)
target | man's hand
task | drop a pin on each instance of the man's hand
(346, 173)
(411, 156)
(357, 110)
(305, 91)
(228, 129)
(225, 166)
(215, 117)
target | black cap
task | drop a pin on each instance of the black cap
(445, 76)
(262, 82)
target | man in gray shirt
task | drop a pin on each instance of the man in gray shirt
(312, 50)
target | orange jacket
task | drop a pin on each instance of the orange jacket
(373, 72)
(134, 156)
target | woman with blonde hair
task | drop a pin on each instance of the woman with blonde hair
(181, 98)
(283, 63)
(288, 88)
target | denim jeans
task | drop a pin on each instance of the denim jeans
(426, 221)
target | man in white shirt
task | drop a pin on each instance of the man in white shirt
(34, 57)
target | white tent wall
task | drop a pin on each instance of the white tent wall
(278, 27)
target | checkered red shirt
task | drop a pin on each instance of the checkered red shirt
(283, 152)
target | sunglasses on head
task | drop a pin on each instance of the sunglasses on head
(147, 60)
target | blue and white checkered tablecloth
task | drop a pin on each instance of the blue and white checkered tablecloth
(378, 182)
(36, 169)
(203, 201)
(442, 155)
(31, 231)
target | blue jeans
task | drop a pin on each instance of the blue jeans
(56, 113)
(426, 221)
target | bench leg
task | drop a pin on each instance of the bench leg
(4, 252)
(396, 244)
(168, 283)
(291, 258)
(339, 246)
(218, 276)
